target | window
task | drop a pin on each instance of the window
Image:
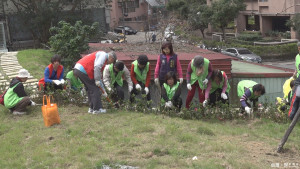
(137, 3)
(128, 6)
(263, 0)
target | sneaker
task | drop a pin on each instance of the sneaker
(18, 113)
(99, 111)
(90, 110)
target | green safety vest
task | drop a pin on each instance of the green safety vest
(203, 75)
(246, 84)
(140, 76)
(215, 86)
(170, 91)
(297, 64)
(114, 78)
(75, 82)
(11, 98)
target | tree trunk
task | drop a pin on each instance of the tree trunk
(202, 31)
(223, 34)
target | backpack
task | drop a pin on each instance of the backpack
(2, 97)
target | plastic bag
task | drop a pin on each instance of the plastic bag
(50, 112)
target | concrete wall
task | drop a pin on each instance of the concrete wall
(265, 24)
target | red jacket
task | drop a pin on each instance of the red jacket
(50, 67)
(88, 62)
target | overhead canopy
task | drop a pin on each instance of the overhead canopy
(153, 3)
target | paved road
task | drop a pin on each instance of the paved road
(290, 64)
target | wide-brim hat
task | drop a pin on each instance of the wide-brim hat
(23, 73)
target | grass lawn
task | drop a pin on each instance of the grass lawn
(35, 61)
(83, 140)
(136, 139)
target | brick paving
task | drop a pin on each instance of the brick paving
(9, 69)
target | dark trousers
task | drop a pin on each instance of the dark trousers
(216, 97)
(191, 93)
(93, 91)
(177, 103)
(135, 92)
(117, 95)
(21, 106)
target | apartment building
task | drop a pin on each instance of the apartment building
(134, 13)
(268, 15)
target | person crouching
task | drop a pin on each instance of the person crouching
(16, 98)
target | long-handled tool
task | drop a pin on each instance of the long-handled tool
(288, 131)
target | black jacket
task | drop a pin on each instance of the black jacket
(19, 89)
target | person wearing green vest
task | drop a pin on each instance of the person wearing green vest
(217, 88)
(248, 89)
(113, 75)
(16, 99)
(170, 92)
(198, 73)
(297, 62)
(73, 81)
(140, 76)
(284, 103)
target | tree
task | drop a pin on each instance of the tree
(295, 23)
(199, 17)
(70, 41)
(182, 7)
(225, 11)
(39, 15)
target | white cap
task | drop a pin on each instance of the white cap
(23, 73)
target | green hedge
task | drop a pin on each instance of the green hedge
(285, 51)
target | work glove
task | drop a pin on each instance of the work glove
(109, 89)
(156, 81)
(33, 103)
(224, 96)
(62, 81)
(130, 88)
(138, 87)
(204, 103)
(189, 86)
(169, 104)
(180, 80)
(248, 110)
(205, 81)
(146, 90)
(104, 94)
(57, 82)
(98, 83)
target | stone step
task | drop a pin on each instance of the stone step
(11, 68)
(9, 63)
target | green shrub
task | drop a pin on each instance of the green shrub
(69, 41)
(249, 37)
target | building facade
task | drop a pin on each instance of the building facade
(135, 13)
(267, 15)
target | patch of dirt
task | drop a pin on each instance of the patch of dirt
(261, 152)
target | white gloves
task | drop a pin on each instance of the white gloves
(138, 87)
(62, 81)
(248, 110)
(205, 81)
(169, 104)
(104, 94)
(33, 103)
(130, 88)
(180, 80)
(98, 83)
(156, 81)
(224, 96)
(204, 103)
(57, 82)
(108, 88)
(146, 90)
(189, 86)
